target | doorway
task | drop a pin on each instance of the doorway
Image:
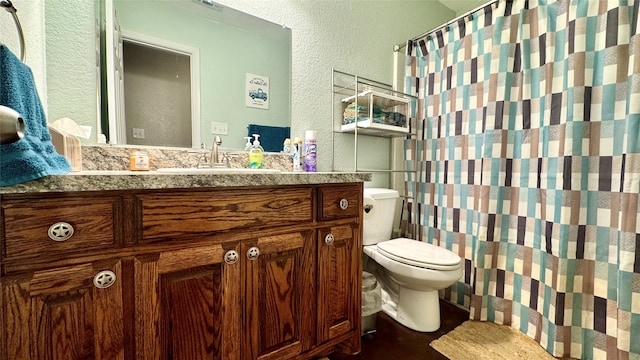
(160, 98)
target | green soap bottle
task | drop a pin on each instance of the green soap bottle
(255, 154)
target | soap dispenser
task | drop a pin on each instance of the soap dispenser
(255, 154)
(248, 145)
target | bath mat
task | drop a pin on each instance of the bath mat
(485, 340)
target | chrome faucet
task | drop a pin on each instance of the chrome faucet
(215, 160)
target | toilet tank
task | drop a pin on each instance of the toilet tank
(379, 207)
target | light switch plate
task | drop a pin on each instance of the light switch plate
(218, 128)
(138, 133)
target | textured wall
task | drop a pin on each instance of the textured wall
(30, 14)
(71, 61)
(355, 36)
(351, 36)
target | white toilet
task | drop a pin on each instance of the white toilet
(411, 272)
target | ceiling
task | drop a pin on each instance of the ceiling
(462, 6)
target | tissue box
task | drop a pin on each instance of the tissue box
(68, 146)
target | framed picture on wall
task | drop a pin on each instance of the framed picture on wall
(257, 94)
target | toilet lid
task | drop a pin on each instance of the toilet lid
(419, 253)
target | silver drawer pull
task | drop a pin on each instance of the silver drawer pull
(60, 231)
(253, 253)
(231, 257)
(104, 279)
(344, 204)
(329, 239)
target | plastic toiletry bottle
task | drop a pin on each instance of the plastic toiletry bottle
(255, 154)
(297, 149)
(248, 145)
(286, 146)
(139, 160)
(310, 150)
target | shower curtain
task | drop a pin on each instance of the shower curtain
(528, 166)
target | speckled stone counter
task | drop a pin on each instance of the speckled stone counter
(131, 180)
(117, 158)
(106, 168)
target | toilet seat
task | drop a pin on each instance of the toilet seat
(420, 254)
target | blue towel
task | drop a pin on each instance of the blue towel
(271, 137)
(34, 156)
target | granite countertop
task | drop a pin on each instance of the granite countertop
(132, 180)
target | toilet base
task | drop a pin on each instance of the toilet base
(417, 310)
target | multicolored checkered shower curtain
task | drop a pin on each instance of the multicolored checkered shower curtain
(528, 166)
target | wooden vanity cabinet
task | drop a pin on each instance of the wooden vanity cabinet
(279, 296)
(217, 273)
(184, 305)
(339, 265)
(55, 302)
(60, 314)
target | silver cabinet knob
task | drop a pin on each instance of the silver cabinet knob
(328, 239)
(60, 231)
(253, 253)
(344, 204)
(104, 279)
(231, 257)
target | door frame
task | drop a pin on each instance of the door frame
(194, 58)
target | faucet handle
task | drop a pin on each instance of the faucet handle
(225, 158)
(202, 160)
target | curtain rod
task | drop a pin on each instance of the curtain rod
(397, 47)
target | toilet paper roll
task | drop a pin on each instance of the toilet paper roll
(369, 208)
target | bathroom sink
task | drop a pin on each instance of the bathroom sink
(204, 171)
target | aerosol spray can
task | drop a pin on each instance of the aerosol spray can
(297, 153)
(310, 150)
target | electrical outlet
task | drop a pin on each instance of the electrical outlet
(218, 128)
(138, 133)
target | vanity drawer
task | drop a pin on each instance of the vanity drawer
(56, 226)
(176, 214)
(339, 202)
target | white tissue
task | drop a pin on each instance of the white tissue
(369, 203)
(71, 127)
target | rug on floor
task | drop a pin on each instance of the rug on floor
(485, 340)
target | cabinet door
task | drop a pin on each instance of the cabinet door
(339, 279)
(280, 295)
(61, 314)
(188, 304)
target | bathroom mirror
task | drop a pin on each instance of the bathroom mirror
(231, 51)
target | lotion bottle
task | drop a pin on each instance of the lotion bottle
(255, 154)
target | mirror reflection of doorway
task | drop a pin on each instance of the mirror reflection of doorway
(157, 95)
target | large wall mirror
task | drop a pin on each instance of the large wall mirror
(180, 71)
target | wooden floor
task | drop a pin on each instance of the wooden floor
(393, 341)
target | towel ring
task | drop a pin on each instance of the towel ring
(11, 9)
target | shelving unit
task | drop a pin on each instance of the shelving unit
(385, 117)
(380, 111)
(369, 101)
